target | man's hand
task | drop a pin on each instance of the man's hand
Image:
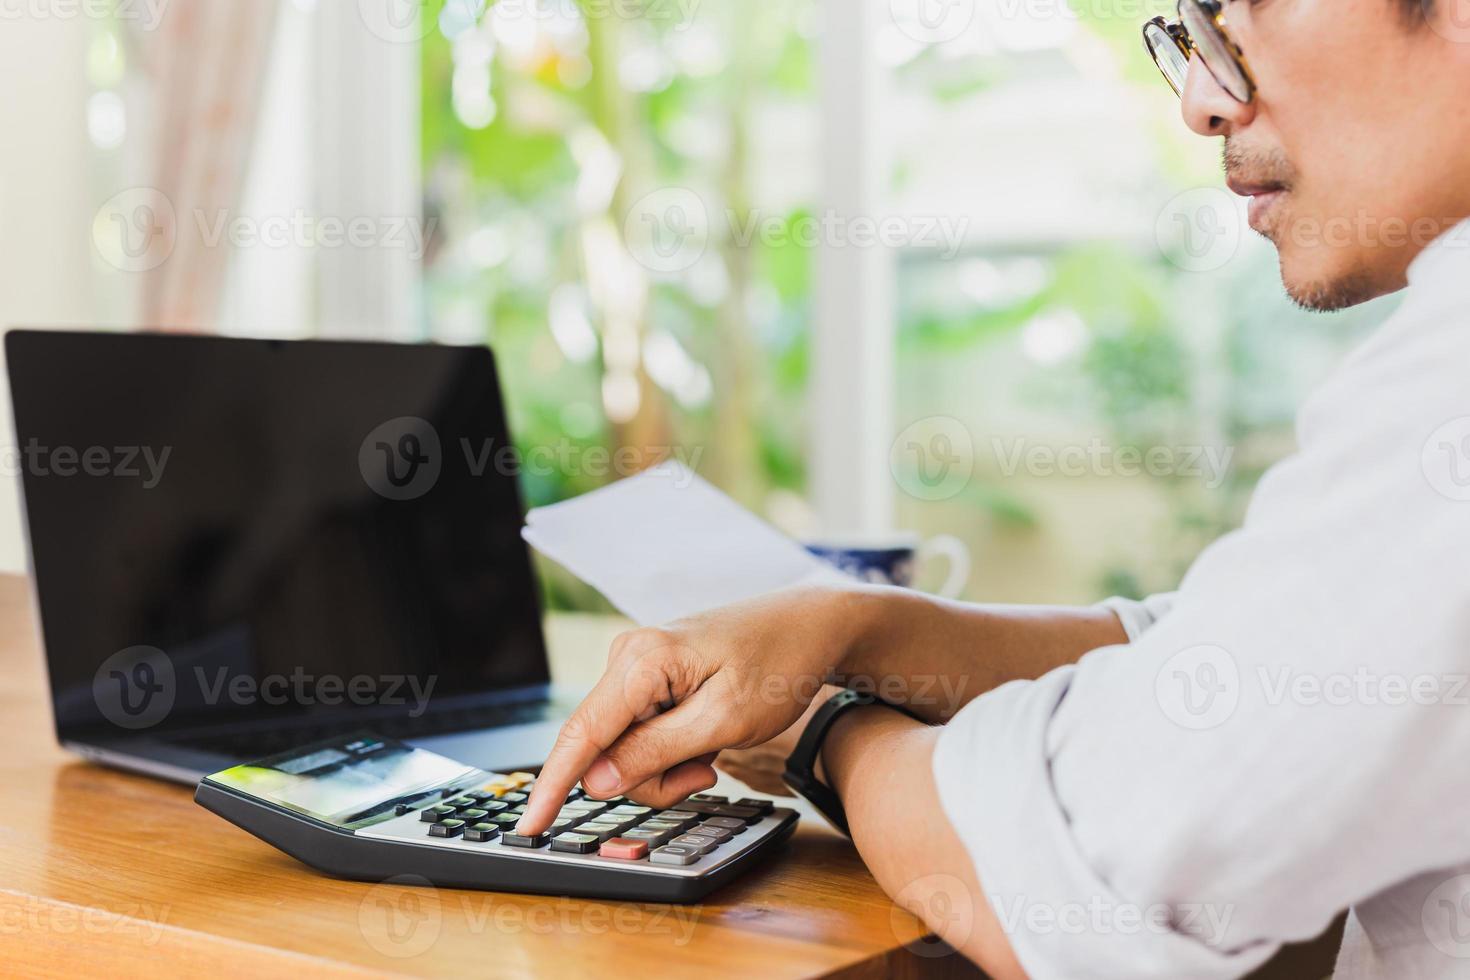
(762, 766)
(672, 698)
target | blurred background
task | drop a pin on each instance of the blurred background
(941, 266)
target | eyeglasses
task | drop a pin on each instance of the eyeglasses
(1199, 30)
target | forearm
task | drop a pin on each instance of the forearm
(879, 763)
(935, 656)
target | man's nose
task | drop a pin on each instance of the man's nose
(1208, 109)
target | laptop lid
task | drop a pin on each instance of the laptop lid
(230, 532)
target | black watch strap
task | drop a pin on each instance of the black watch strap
(801, 765)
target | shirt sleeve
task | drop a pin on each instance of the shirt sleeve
(1287, 741)
(1138, 616)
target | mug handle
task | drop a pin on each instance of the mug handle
(958, 555)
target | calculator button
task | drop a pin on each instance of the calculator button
(492, 805)
(447, 828)
(709, 798)
(600, 831)
(628, 810)
(481, 832)
(677, 816)
(733, 824)
(557, 826)
(622, 823)
(515, 797)
(654, 837)
(746, 813)
(435, 813)
(472, 814)
(624, 849)
(708, 830)
(674, 854)
(764, 806)
(586, 806)
(704, 809)
(575, 843)
(461, 801)
(699, 841)
(506, 819)
(662, 826)
(520, 840)
(519, 779)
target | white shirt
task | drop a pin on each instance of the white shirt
(1288, 735)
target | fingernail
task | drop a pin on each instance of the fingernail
(603, 778)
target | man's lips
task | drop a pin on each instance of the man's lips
(1263, 197)
(1248, 189)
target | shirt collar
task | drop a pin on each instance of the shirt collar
(1448, 255)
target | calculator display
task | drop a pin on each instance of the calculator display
(344, 785)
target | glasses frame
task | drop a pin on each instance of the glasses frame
(1214, 12)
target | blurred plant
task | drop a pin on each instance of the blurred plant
(545, 124)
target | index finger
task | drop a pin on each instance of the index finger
(606, 713)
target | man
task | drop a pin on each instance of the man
(1176, 788)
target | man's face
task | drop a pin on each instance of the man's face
(1356, 150)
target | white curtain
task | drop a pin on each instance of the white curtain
(200, 82)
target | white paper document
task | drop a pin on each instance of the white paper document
(665, 544)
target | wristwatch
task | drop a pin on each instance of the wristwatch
(801, 765)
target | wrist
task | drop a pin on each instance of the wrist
(853, 614)
(853, 735)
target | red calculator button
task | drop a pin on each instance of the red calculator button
(624, 849)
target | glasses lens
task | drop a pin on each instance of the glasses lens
(1171, 61)
(1215, 50)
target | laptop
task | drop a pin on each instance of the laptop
(242, 546)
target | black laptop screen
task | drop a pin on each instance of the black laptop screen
(234, 530)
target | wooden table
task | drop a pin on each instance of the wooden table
(108, 874)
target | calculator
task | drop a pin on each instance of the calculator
(370, 808)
